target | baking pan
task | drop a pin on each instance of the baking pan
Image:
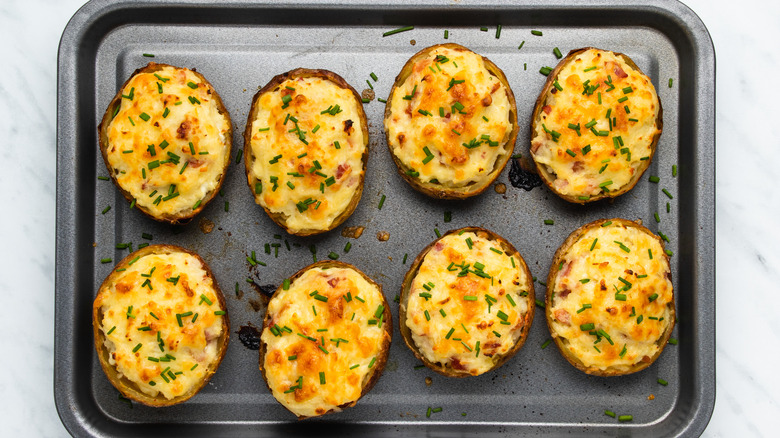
(239, 46)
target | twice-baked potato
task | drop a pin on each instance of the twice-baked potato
(326, 337)
(595, 126)
(610, 300)
(166, 139)
(450, 122)
(306, 150)
(161, 325)
(467, 303)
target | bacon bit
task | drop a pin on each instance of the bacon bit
(487, 100)
(439, 246)
(496, 86)
(343, 168)
(619, 72)
(444, 301)
(490, 348)
(566, 269)
(348, 127)
(577, 166)
(482, 325)
(563, 316)
(210, 335)
(603, 285)
(334, 281)
(183, 130)
(547, 109)
(456, 365)
(612, 311)
(401, 138)
(196, 162)
(564, 293)
(535, 145)
(629, 272)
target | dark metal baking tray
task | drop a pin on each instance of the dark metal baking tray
(239, 46)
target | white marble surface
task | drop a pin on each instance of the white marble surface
(748, 204)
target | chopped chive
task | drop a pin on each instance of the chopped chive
(137, 347)
(666, 192)
(625, 418)
(545, 70)
(546, 343)
(587, 327)
(672, 341)
(557, 53)
(610, 414)
(536, 32)
(399, 30)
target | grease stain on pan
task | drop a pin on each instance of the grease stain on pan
(522, 178)
(249, 335)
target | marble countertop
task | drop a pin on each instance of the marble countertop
(747, 211)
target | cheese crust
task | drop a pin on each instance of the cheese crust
(467, 303)
(166, 140)
(595, 126)
(325, 339)
(160, 325)
(306, 150)
(450, 121)
(610, 299)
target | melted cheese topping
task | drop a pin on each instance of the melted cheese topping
(141, 311)
(309, 175)
(331, 336)
(622, 109)
(450, 119)
(601, 278)
(167, 144)
(483, 314)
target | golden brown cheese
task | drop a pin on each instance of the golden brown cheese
(162, 319)
(168, 142)
(322, 339)
(450, 118)
(598, 125)
(308, 145)
(467, 321)
(611, 297)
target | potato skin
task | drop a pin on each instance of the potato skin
(541, 101)
(435, 190)
(406, 333)
(558, 258)
(249, 158)
(108, 116)
(125, 386)
(381, 359)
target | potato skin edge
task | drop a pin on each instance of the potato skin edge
(406, 333)
(560, 253)
(125, 386)
(176, 219)
(277, 80)
(435, 190)
(546, 177)
(381, 359)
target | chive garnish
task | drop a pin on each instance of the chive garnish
(137, 347)
(536, 32)
(557, 53)
(587, 327)
(625, 418)
(545, 70)
(399, 30)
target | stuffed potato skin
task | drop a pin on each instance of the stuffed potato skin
(345, 291)
(465, 311)
(324, 156)
(450, 128)
(626, 296)
(595, 126)
(150, 316)
(166, 128)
